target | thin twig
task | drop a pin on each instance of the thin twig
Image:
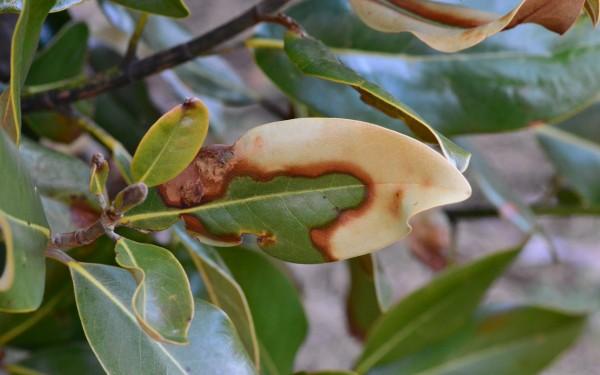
(155, 63)
(488, 211)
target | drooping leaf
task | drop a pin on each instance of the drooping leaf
(369, 294)
(311, 190)
(171, 143)
(163, 301)
(169, 8)
(222, 289)
(63, 58)
(432, 312)
(515, 79)
(17, 5)
(313, 58)
(24, 43)
(103, 295)
(71, 359)
(450, 28)
(518, 340)
(263, 283)
(24, 234)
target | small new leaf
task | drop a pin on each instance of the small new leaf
(171, 143)
(99, 175)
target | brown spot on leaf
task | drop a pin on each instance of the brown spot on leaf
(436, 13)
(396, 203)
(266, 239)
(208, 176)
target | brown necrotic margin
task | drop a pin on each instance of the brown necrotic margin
(208, 177)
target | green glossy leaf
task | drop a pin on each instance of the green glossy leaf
(432, 312)
(263, 283)
(163, 301)
(24, 43)
(369, 295)
(170, 8)
(171, 143)
(17, 5)
(313, 58)
(103, 295)
(279, 183)
(222, 289)
(71, 359)
(24, 232)
(507, 83)
(519, 340)
(574, 149)
(61, 59)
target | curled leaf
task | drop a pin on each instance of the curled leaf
(310, 190)
(162, 303)
(450, 28)
(171, 143)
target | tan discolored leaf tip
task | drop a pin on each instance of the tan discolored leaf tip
(392, 178)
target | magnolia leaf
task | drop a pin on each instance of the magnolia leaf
(17, 5)
(313, 58)
(451, 28)
(310, 190)
(24, 234)
(24, 43)
(263, 283)
(171, 143)
(163, 301)
(516, 79)
(516, 340)
(170, 8)
(103, 294)
(62, 58)
(432, 312)
(70, 359)
(369, 295)
(222, 289)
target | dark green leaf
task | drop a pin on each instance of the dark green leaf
(520, 340)
(63, 58)
(71, 359)
(432, 312)
(263, 283)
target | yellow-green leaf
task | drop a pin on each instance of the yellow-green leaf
(171, 143)
(163, 302)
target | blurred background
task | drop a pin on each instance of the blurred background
(560, 265)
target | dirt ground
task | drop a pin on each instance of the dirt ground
(574, 283)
